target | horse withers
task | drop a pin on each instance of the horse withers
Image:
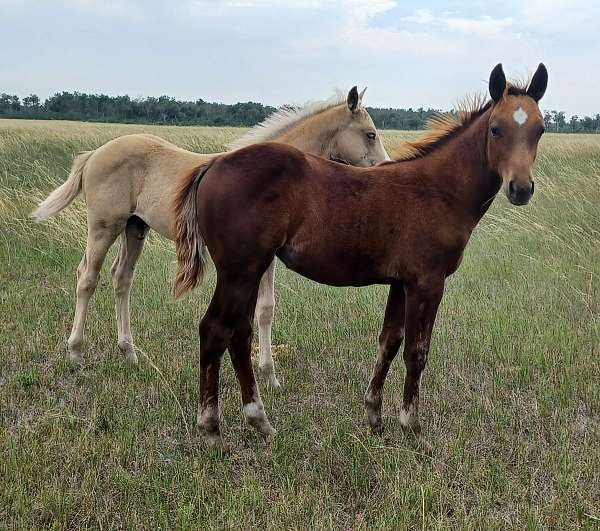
(404, 223)
(129, 183)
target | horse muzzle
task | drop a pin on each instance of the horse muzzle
(519, 193)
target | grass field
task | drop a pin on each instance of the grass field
(511, 393)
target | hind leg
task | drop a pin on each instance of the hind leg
(239, 350)
(100, 238)
(123, 268)
(390, 339)
(264, 316)
(422, 301)
(227, 322)
(215, 330)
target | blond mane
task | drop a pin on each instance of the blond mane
(443, 126)
(284, 119)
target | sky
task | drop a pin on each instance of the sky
(409, 54)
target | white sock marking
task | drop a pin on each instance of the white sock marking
(253, 410)
(255, 415)
(407, 415)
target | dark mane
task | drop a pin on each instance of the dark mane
(444, 126)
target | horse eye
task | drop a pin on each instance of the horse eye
(496, 132)
(371, 135)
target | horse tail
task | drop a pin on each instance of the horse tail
(64, 195)
(190, 247)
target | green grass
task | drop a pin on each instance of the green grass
(511, 394)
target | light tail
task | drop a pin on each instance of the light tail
(64, 195)
(191, 250)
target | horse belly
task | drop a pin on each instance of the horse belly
(154, 207)
(345, 267)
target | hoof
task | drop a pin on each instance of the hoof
(268, 373)
(75, 357)
(263, 426)
(269, 432)
(211, 440)
(373, 411)
(126, 348)
(409, 419)
(376, 427)
(425, 446)
(419, 442)
(131, 358)
(413, 428)
(413, 431)
(273, 381)
(374, 420)
(260, 423)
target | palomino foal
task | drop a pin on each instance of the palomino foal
(129, 182)
(405, 223)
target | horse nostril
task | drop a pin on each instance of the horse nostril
(511, 188)
(532, 187)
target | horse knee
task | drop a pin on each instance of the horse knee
(86, 284)
(416, 358)
(394, 341)
(390, 342)
(241, 340)
(81, 269)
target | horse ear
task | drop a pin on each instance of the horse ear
(362, 93)
(497, 82)
(353, 99)
(539, 82)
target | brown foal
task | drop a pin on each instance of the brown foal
(404, 223)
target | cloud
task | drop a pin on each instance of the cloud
(444, 35)
(485, 26)
(274, 51)
(356, 9)
(420, 16)
(562, 17)
(534, 17)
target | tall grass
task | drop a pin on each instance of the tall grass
(511, 399)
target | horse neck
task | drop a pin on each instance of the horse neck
(460, 170)
(314, 134)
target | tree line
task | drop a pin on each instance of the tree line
(167, 110)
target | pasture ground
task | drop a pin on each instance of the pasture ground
(511, 394)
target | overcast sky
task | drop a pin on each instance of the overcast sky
(409, 54)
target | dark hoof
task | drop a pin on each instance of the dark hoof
(421, 444)
(425, 446)
(412, 429)
(377, 429)
(211, 441)
(373, 411)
